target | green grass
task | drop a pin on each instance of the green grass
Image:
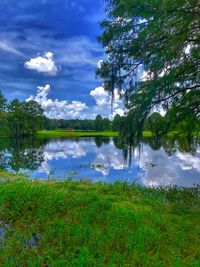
(83, 224)
(147, 134)
(73, 134)
(76, 134)
(172, 134)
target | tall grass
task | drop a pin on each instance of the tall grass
(83, 224)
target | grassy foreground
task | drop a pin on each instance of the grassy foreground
(83, 224)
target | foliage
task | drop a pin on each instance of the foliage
(83, 224)
(51, 124)
(24, 118)
(116, 123)
(3, 103)
(156, 124)
(26, 154)
(101, 124)
(182, 119)
(3, 116)
(161, 40)
(98, 123)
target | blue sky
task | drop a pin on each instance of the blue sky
(49, 52)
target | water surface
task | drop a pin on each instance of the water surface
(152, 163)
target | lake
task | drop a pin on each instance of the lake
(152, 163)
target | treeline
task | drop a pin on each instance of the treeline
(160, 126)
(26, 118)
(155, 123)
(99, 124)
(20, 118)
(51, 124)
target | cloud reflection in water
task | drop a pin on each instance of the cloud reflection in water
(105, 162)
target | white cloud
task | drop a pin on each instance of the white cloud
(162, 170)
(159, 169)
(44, 64)
(188, 161)
(99, 63)
(65, 149)
(10, 49)
(103, 101)
(101, 96)
(55, 108)
(108, 158)
(62, 109)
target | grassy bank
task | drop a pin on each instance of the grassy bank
(76, 134)
(73, 134)
(83, 224)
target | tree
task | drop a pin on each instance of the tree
(106, 124)
(181, 119)
(98, 125)
(155, 124)
(15, 119)
(34, 117)
(3, 102)
(24, 118)
(3, 115)
(161, 38)
(116, 123)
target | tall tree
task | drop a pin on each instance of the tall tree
(106, 124)
(3, 115)
(98, 123)
(155, 123)
(34, 116)
(25, 118)
(116, 123)
(3, 102)
(159, 39)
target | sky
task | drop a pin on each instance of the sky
(49, 52)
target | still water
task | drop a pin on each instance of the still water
(170, 162)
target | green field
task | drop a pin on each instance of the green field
(82, 224)
(72, 134)
(76, 134)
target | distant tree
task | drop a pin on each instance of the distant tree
(116, 123)
(3, 116)
(98, 123)
(181, 119)
(15, 118)
(155, 124)
(24, 118)
(34, 117)
(3, 102)
(106, 124)
(25, 153)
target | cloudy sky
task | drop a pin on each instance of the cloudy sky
(49, 52)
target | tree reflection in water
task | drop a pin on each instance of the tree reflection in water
(21, 154)
(151, 161)
(171, 145)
